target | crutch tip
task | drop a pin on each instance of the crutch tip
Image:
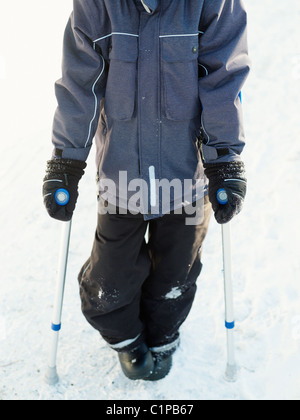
(51, 377)
(231, 373)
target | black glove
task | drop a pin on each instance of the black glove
(62, 174)
(230, 177)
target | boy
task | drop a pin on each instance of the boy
(157, 83)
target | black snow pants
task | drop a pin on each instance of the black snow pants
(133, 290)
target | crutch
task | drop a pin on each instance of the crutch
(51, 377)
(231, 370)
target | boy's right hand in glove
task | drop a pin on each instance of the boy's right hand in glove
(231, 178)
(62, 174)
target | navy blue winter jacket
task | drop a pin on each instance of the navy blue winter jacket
(145, 79)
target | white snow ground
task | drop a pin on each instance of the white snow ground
(265, 237)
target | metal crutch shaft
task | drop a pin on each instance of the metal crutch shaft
(231, 370)
(51, 376)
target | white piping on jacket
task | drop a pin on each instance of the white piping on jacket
(202, 122)
(207, 135)
(115, 33)
(179, 35)
(148, 10)
(96, 102)
(137, 36)
(206, 71)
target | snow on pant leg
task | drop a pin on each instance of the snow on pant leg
(111, 280)
(169, 291)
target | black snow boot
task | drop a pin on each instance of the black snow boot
(162, 366)
(137, 363)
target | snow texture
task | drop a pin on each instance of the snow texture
(265, 236)
(174, 293)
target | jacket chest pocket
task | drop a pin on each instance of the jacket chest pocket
(180, 77)
(121, 82)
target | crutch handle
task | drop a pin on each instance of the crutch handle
(62, 197)
(222, 196)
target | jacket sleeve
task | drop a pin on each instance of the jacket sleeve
(224, 64)
(81, 87)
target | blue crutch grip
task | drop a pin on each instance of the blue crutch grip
(222, 196)
(62, 197)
